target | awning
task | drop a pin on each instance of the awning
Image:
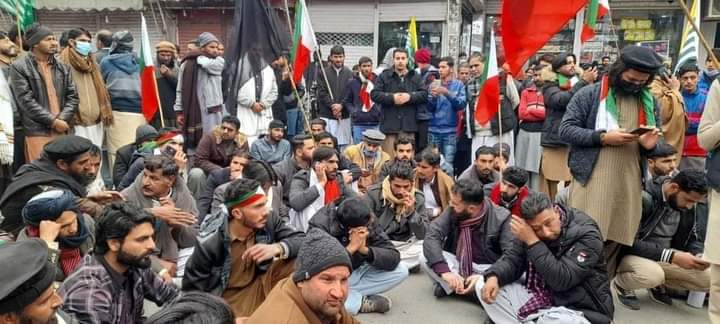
(88, 5)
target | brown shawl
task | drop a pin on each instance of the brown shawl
(192, 128)
(88, 65)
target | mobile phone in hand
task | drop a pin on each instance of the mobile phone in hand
(641, 130)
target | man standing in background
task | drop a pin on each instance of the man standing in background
(331, 95)
(167, 80)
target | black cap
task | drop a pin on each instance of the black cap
(561, 60)
(27, 277)
(641, 58)
(68, 145)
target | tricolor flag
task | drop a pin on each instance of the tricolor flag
(690, 41)
(148, 84)
(607, 115)
(411, 43)
(365, 89)
(597, 9)
(304, 42)
(488, 100)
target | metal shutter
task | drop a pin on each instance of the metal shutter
(399, 10)
(350, 24)
(59, 21)
(194, 22)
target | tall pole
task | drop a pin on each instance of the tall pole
(500, 129)
(19, 29)
(322, 68)
(695, 27)
(157, 96)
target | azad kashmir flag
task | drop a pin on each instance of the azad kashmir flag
(148, 84)
(304, 42)
(597, 9)
(23, 10)
(527, 25)
(690, 41)
(488, 100)
(411, 43)
(253, 44)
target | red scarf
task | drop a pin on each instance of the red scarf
(69, 258)
(496, 197)
(332, 191)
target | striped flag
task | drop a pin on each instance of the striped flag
(597, 9)
(690, 42)
(304, 42)
(411, 43)
(148, 84)
(488, 101)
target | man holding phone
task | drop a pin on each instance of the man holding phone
(655, 260)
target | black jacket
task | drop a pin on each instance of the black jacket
(494, 228)
(32, 179)
(123, 161)
(655, 214)
(396, 119)
(302, 195)
(337, 82)
(556, 101)
(29, 90)
(383, 254)
(214, 180)
(411, 225)
(572, 267)
(353, 103)
(208, 269)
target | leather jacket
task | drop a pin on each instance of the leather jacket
(30, 93)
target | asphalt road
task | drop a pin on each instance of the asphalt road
(413, 302)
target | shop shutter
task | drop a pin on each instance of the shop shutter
(192, 23)
(349, 24)
(493, 7)
(59, 21)
(398, 10)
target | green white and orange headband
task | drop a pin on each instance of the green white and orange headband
(246, 199)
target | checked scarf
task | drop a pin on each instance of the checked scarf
(464, 250)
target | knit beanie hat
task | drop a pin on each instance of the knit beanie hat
(165, 46)
(423, 56)
(145, 133)
(320, 252)
(206, 38)
(35, 33)
(122, 42)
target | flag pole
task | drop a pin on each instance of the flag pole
(322, 68)
(704, 42)
(500, 129)
(301, 105)
(157, 96)
(17, 17)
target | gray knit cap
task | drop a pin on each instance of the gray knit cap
(320, 252)
(206, 38)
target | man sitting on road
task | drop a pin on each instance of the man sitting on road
(658, 258)
(369, 155)
(566, 277)
(483, 168)
(400, 211)
(375, 261)
(511, 192)
(272, 147)
(465, 240)
(404, 151)
(434, 183)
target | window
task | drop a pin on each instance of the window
(394, 34)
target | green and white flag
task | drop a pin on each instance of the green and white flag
(23, 10)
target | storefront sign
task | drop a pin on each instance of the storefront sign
(661, 47)
(593, 46)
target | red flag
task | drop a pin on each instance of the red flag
(527, 25)
(488, 100)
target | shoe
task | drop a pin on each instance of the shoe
(415, 269)
(660, 296)
(438, 291)
(627, 297)
(375, 304)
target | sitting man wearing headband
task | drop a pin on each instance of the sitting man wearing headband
(244, 260)
(169, 142)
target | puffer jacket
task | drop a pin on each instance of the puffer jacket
(122, 77)
(383, 256)
(30, 93)
(208, 269)
(572, 267)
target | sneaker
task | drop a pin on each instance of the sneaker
(660, 296)
(438, 291)
(627, 297)
(375, 304)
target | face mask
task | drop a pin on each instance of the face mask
(83, 48)
(712, 74)
(629, 87)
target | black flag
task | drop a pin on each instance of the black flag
(254, 43)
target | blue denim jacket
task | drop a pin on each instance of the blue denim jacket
(444, 108)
